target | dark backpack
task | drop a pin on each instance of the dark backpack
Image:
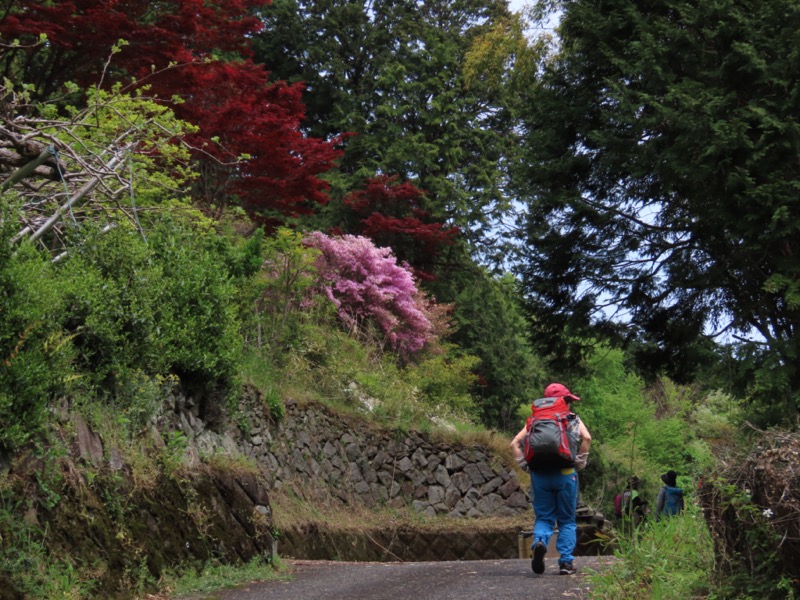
(553, 435)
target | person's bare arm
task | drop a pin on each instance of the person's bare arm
(586, 439)
(516, 444)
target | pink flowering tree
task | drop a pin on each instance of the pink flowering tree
(366, 284)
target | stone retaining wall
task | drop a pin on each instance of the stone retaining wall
(315, 447)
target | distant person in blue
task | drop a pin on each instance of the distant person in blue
(670, 496)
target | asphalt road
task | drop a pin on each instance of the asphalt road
(462, 580)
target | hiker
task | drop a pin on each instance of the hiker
(635, 504)
(670, 496)
(632, 504)
(554, 481)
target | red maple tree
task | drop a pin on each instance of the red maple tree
(195, 55)
(390, 214)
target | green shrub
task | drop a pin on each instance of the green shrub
(444, 382)
(161, 306)
(36, 355)
(662, 560)
(197, 321)
(114, 315)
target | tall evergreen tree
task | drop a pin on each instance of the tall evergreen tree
(391, 73)
(662, 176)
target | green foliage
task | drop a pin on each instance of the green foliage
(718, 417)
(262, 373)
(659, 182)
(214, 577)
(667, 426)
(126, 142)
(26, 560)
(444, 382)
(672, 558)
(38, 575)
(665, 443)
(502, 56)
(36, 355)
(488, 323)
(175, 445)
(138, 398)
(612, 398)
(163, 307)
(749, 565)
(284, 288)
(112, 118)
(112, 318)
(197, 322)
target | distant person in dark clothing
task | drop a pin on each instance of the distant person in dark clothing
(633, 505)
(670, 496)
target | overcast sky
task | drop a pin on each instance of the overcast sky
(518, 5)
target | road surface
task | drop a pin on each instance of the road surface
(461, 580)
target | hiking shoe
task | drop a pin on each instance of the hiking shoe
(566, 568)
(537, 562)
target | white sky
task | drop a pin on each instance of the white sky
(519, 5)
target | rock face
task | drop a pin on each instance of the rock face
(118, 529)
(315, 449)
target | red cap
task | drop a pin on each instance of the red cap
(559, 390)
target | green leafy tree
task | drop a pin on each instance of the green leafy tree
(285, 287)
(661, 174)
(391, 73)
(425, 89)
(489, 323)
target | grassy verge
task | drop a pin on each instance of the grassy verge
(673, 558)
(216, 577)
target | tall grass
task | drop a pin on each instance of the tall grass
(215, 577)
(673, 558)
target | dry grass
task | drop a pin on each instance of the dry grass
(498, 444)
(303, 506)
(753, 510)
(237, 464)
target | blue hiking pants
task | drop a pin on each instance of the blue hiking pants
(555, 500)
